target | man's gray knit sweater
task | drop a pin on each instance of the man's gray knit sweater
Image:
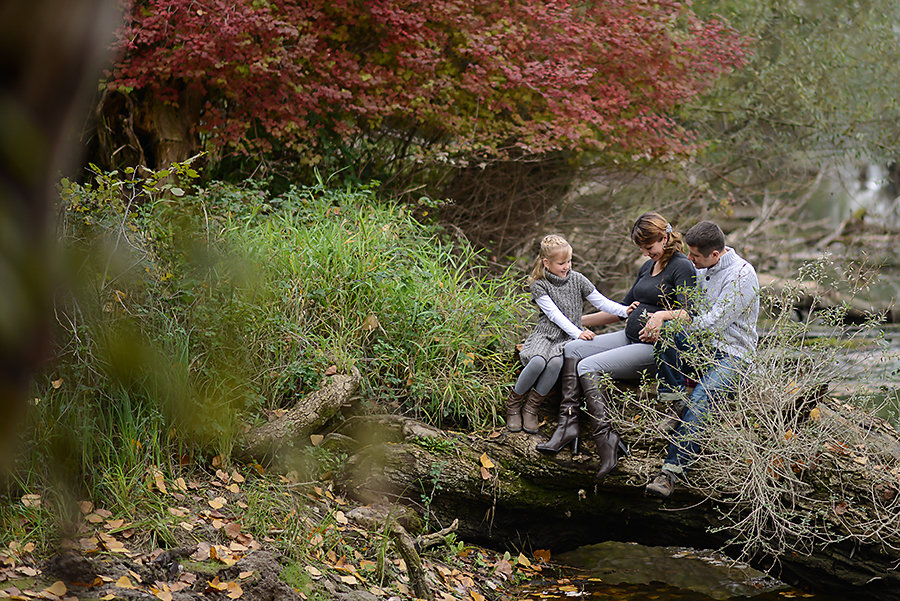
(731, 305)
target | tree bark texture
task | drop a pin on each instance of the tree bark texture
(269, 441)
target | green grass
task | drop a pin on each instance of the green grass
(192, 316)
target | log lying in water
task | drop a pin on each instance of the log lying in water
(814, 296)
(506, 493)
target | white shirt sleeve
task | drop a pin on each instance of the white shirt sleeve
(604, 304)
(556, 316)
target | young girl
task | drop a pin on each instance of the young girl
(560, 293)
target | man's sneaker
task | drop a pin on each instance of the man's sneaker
(662, 486)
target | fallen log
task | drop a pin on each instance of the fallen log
(505, 493)
(812, 296)
(264, 443)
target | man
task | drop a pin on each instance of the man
(726, 315)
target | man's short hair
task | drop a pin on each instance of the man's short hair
(706, 237)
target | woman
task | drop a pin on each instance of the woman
(662, 283)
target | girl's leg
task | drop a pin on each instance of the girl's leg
(530, 417)
(548, 377)
(530, 374)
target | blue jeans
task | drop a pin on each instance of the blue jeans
(669, 367)
(717, 383)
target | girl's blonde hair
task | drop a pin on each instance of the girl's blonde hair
(652, 227)
(551, 244)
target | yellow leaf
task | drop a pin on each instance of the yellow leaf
(523, 561)
(315, 439)
(160, 481)
(340, 518)
(164, 595)
(815, 414)
(476, 596)
(31, 501)
(216, 584)
(351, 580)
(234, 590)
(789, 434)
(244, 575)
(542, 555)
(370, 323)
(124, 582)
(313, 571)
(56, 383)
(486, 461)
(218, 502)
(58, 588)
(233, 488)
(237, 477)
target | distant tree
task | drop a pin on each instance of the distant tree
(448, 79)
(821, 85)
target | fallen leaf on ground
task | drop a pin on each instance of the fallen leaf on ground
(216, 584)
(218, 502)
(160, 481)
(31, 500)
(313, 571)
(234, 590)
(486, 461)
(124, 582)
(542, 555)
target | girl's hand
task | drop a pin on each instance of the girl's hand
(631, 307)
(586, 335)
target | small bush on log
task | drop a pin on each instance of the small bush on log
(792, 466)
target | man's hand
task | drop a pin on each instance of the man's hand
(632, 307)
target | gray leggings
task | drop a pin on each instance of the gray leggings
(540, 374)
(612, 354)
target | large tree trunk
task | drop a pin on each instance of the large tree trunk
(529, 500)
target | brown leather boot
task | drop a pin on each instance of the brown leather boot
(514, 410)
(609, 443)
(568, 429)
(531, 421)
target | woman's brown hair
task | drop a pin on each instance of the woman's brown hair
(652, 227)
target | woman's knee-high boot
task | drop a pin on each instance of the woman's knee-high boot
(608, 442)
(567, 430)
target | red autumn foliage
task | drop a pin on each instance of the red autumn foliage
(471, 77)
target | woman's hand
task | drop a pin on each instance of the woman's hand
(631, 307)
(586, 335)
(650, 332)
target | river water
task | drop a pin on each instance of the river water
(617, 571)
